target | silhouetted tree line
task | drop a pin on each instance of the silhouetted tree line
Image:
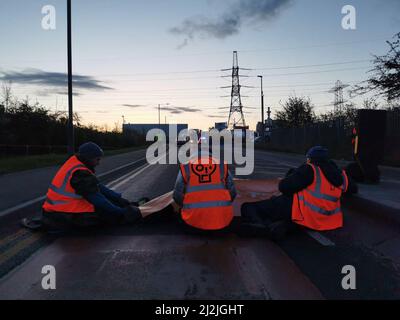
(298, 112)
(23, 123)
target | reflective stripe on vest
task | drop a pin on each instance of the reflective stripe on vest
(62, 190)
(318, 209)
(208, 204)
(61, 196)
(219, 186)
(55, 202)
(317, 193)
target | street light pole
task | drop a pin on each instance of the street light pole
(262, 107)
(70, 126)
(159, 115)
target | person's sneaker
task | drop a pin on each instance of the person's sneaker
(277, 230)
(33, 224)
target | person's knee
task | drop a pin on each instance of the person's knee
(247, 210)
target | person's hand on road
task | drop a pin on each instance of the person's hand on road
(132, 214)
(123, 202)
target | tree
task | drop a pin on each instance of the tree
(370, 103)
(6, 94)
(385, 80)
(297, 112)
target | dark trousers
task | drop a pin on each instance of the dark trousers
(268, 211)
(66, 221)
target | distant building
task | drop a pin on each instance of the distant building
(221, 126)
(143, 128)
(268, 125)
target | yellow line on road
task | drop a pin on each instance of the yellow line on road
(13, 251)
(12, 237)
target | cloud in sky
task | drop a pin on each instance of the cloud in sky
(179, 110)
(244, 11)
(52, 79)
(54, 91)
(216, 116)
(133, 105)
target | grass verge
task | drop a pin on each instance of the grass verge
(20, 163)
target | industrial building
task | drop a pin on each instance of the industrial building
(143, 128)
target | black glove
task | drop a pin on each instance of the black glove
(123, 202)
(132, 214)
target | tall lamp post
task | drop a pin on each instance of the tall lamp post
(262, 107)
(70, 126)
(159, 113)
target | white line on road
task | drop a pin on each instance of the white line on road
(121, 167)
(130, 176)
(22, 205)
(133, 175)
(320, 238)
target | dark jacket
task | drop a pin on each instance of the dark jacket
(104, 199)
(300, 178)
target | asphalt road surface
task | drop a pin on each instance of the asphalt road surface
(158, 259)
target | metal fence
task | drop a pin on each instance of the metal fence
(392, 141)
(337, 136)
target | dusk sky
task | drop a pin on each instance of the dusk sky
(129, 56)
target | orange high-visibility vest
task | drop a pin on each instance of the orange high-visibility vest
(318, 206)
(61, 197)
(207, 203)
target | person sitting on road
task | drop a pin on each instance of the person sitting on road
(310, 198)
(76, 198)
(204, 190)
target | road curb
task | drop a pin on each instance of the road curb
(373, 209)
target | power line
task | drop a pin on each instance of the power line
(312, 72)
(352, 43)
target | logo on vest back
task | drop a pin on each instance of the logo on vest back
(204, 171)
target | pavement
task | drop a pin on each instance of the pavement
(158, 259)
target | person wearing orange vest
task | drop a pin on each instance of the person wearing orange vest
(75, 197)
(310, 198)
(204, 190)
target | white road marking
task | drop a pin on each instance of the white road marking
(320, 238)
(22, 205)
(130, 176)
(113, 182)
(133, 175)
(121, 167)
